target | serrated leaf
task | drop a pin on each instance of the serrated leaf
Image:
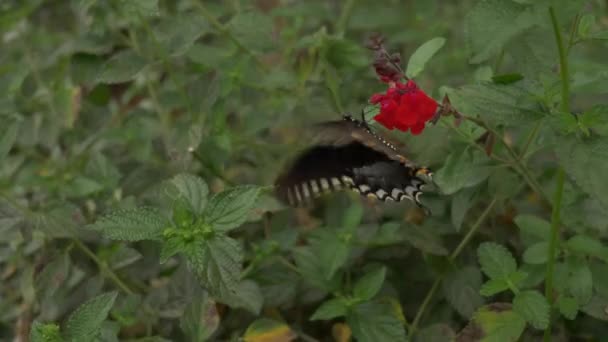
(461, 170)
(536, 254)
(86, 321)
(568, 307)
(497, 104)
(496, 261)
(580, 281)
(330, 309)
(266, 330)
(132, 225)
(491, 24)
(423, 240)
(248, 296)
(533, 307)
(252, 29)
(494, 286)
(200, 319)
(369, 285)
(122, 67)
(192, 189)
(461, 203)
(498, 324)
(586, 245)
(313, 270)
(461, 288)
(216, 262)
(597, 308)
(586, 162)
(375, 321)
(8, 135)
(534, 226)
(230, 208)
(422, 55)
(45, 332)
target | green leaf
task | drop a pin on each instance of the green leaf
(332, 250)
(8, 135)
(200, 319)
(132, 225)
(230, 208)
(494, 286)
(507, 78)
(533, 307)
(534, 226)
(265, 329)
(133, 9)
(423, 239)
(580, 281)
(596, 308)
(422, 55)
(462, 169)
(491, 24)
(375, 321)
(335, 307)
(369, 285)
(45, 332)
(568, 307)
(217, 264)
(461, 288)
(122, 67)
(498, 104)
(252, 29)
(586, 163)
(86, 321)
(536, 254)
(497, 324)
(192, 189)
(461, 203)
(495, 260)
(248, 296)
(314, 271)
(586, 245)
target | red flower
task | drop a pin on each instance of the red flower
(405, 107)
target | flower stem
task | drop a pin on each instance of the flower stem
(559, 187)
(451, 258)
(553, 245)
(347, 10)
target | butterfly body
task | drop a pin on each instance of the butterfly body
(348, 154)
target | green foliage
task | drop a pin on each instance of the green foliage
(87, 319)
(421, 56)
(129, 130)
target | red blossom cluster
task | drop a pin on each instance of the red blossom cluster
(405, 107)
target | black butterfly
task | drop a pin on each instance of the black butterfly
(348, 154)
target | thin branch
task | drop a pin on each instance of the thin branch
(463, 243)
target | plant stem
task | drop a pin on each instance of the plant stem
(559, 187)
(553, 245)
(347, 10)
(451, 258)
(103, 267)
(563, 62)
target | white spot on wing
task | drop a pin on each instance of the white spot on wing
(324, 184)
(314, 187)
(305, 191)
(364, 188)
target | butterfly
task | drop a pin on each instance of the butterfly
(349, 155)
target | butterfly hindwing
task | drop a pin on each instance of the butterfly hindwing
(349, 155)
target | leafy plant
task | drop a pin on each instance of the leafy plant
(128, 128)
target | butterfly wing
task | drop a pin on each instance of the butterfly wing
(349, 155)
